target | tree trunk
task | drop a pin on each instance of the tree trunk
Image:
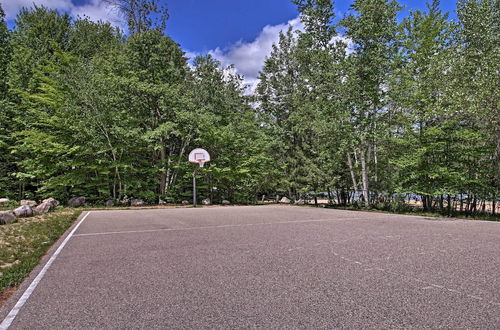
(351, 169)
(168, 176)
(461, 203)
(474, 205)
(181, 154)
(427, 203)
(163, 174)
(449, 205)
(364, 175)
(117, 175)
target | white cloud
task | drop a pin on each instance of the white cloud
(12, 7)
(93, 9)
(97, 10)
(248, 57)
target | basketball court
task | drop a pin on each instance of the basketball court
(264, 267)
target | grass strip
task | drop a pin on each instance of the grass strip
(22, 244)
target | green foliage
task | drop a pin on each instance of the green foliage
(362, 109)
(6, 108)
(5, 53)
(88, 39)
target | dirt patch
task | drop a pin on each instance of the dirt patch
(6, 294)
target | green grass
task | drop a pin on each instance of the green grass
(22, 244)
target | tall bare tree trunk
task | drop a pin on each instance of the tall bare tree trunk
(497, 155)
(364, 176)
(185, 143)
(163, 174)
(351, 169)
(115, 161)
(168, 176)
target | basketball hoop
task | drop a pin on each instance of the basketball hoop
(199, 156)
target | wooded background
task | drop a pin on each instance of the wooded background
(370, 103)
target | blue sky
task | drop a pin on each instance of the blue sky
(238, 32)
(206, 24)
(203, 25)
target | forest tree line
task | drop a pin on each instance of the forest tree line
(366, 108)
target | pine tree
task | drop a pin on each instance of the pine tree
(6, 129)
(5, 54)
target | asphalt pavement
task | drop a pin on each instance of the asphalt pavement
(266, 267)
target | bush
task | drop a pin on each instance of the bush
(9, 206)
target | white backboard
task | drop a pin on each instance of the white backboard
(199, 156)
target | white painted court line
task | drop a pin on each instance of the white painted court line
(211, 227)
(20, 303)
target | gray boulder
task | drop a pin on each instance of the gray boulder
(110, 203)
(76, 201)
(285, 200)
(161, 202)
(44, 207)
(28, 202)
(4, 201)
(52, 201)
(185, 202)
(206, 201)
(23, 211)
(300, 202)
(137, 202)
(226, 202)
(7, 217)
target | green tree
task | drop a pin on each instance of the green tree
(228, 128)
(142, 15)
(372, 29)
(321, 55)
(88, 38)
(425, 123)
(157, 75)
(475, 93)
(6, 129)
(5, 53)
(277, 90)
(39, 34)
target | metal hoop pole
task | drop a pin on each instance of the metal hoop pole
(194, 187)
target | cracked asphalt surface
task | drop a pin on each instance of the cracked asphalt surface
(268, 267)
